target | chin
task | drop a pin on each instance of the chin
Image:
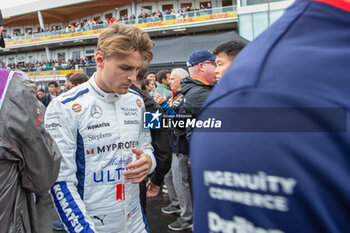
(122, 91)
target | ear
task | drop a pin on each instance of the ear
(99, 57)
(200, 67)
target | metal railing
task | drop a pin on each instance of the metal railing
(133, 21)
(255, 2)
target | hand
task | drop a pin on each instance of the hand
(152, 189)
(159, 98)
(1, 29)
(138, 169)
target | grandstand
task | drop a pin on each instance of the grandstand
(49, 39)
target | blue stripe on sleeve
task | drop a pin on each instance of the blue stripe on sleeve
(68, 209)
(134, 92)
(76, 96)
(80, 160)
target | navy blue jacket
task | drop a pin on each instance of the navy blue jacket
(175, 105)
(288, 174)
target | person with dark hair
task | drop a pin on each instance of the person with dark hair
(280, 162)
(52, 93)
(151, 75)
(2, 41)
(147, 85)
(163, 79)
(98, 128)
(77, 79)
(161, 143)
(225, 54)
(41, 93)
(29, 157)
(67, 84)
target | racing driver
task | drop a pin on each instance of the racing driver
(106, 153)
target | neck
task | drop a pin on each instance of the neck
(138, 84)
(100, 83)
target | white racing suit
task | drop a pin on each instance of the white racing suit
(95, 132)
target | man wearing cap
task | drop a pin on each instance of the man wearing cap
(196, 88)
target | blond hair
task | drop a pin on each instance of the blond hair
(120, 39)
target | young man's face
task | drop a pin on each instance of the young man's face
(150, 87)
(151, 77)
(52, 89)
(67, 85)
(118, 73)
(167, 80)
(223, 62)
(40, 94)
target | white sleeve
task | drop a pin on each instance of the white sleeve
(66, 192)
(146, 144)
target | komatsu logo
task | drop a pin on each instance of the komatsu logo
(73, 219)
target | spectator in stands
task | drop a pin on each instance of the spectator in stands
(177, 180)
(147, 85)
(163, 78)
(77, 79)
(225, 54)
(52, 93)
(41, 93)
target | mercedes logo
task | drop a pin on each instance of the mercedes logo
(96, 111)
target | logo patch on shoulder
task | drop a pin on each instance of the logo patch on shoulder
(138, 102)
(76, 107)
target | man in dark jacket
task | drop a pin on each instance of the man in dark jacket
(52, 93)
(29, 158)
(201, 65)
(161, 143)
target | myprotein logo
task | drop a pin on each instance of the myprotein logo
(102, 149)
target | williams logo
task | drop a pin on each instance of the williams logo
(151, 120)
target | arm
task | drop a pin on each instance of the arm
(1, 22)
(145, 161)
(66, 195)
(40, 153)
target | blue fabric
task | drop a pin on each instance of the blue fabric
(291, 182)
(75, 96)
(68, 209)
(80, 160)
(199, 56)
(134, 92)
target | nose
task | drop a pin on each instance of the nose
(132, 75)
